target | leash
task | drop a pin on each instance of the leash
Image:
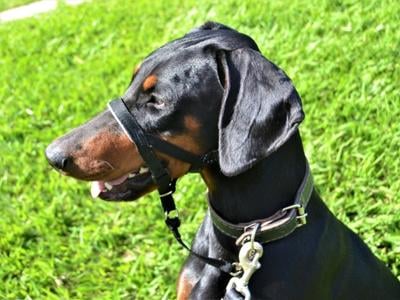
(249, 236)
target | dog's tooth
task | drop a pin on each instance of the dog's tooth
(131, 175)
(108, 186)
(143, 170)
(96, 188)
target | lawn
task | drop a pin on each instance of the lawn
(59, 69)
(7, 4)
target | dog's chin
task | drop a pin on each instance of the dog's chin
(125, 189)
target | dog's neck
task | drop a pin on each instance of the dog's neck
(261, 191)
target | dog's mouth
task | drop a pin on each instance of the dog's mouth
(127, 187)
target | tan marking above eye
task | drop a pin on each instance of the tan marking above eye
(149, 82)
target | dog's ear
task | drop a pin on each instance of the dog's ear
(260, 109)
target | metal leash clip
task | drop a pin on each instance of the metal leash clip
(249, 256)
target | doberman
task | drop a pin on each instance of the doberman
(213, 90)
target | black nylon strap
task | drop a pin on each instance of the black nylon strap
(173, 224)
(221, 264)
(196, 162)
(175, 151)
(167, 201)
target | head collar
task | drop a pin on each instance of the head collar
(146, 143)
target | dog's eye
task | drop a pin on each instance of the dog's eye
(155, 102)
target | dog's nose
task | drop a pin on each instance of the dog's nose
(57, 158)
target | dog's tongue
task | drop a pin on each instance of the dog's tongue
(99, 186)
(96, 188)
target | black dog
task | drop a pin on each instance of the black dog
(212, 89)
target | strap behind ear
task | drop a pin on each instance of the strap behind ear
(260, 110)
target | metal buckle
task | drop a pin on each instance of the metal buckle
(301, 213)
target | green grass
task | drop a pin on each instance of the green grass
(60, 69)
(7, 4)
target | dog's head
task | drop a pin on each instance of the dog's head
(209, 89)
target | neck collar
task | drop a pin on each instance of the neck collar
(274, 227)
